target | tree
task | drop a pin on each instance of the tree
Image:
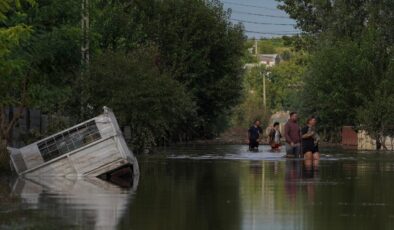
(329, 87)
(251, 106)
(153, 104)
(340, 17)
(198, 47)
(39, 58)
(265, 47)
(286, 83)
(14, 73)
(351, 56)
(198, 54)
(376, 114)
(54, 54)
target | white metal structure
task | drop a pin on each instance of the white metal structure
(91, 148)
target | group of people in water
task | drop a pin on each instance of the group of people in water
(299, 142)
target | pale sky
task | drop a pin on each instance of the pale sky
(261, 18)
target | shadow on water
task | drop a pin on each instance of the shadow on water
(64, 203)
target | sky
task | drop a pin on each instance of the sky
(261, 18)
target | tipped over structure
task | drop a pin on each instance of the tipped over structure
(94, 148)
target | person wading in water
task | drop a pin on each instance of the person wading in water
(292, 136)
(253, 136)
(310, 141)
(274, 137)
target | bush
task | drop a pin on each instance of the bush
(153, 104)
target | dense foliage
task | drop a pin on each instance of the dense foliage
(348, 79)
(14, 70)
(170, 69)
(197, 46)
(156, 106)
(251, 106)
(283, 82)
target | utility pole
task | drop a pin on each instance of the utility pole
(256, 48)
(264, 93)
(85, 24)
(85, 56)
(261, 72)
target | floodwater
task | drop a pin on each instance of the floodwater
(214, 187)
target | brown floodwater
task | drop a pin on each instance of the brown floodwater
(213, 187)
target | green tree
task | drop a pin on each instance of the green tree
(286, 83)
(376, 115)
(14, 72)
(153, 104)
(197, 46)
(266, 47)
(329, 90)
(251, 106)
(199, 55)
(351, 55)
(341, 17)
(54, 54)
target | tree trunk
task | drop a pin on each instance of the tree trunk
(6, 126)
(378, 142)
(383, 143)
(4, 155)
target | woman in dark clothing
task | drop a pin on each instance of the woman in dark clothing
(253, 135)
(310, 140)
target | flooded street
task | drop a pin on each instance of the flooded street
(214, 187)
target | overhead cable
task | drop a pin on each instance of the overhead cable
(270, 33)
(262, 23)
(249, 5)
(262, 15)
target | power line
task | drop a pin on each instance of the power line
(269, 33)
(262, 23)
(262, 15)
(248, 5)
(289, 31)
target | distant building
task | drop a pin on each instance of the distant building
(251, 65)
(269, 59)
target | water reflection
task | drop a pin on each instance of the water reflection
(184, 194)
(88, 203)
(232, 190)
(276, 193)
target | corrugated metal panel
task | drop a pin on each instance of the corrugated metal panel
(349, 136)
(95, 156)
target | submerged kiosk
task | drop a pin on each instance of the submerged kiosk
(93, 148)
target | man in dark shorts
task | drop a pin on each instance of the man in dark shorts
(293, 136)
(253, 135)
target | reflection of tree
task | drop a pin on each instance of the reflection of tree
(186, 195)
(291, 178)
(205, 194)
(360, 198)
